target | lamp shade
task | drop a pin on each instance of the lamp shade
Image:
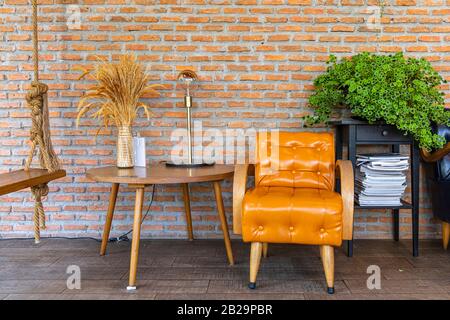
(188, 81)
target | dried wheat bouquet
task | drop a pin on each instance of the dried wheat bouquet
(116, 96)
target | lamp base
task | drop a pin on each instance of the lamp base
(191, 165)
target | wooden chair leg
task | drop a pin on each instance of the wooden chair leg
(187, 209)
(327, 255)
(265, 249)
(255, 260)
(109, 218)
(445, 234)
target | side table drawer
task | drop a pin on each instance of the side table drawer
(381, 133)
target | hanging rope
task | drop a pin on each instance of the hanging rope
(40, 130)
(35, 39)
(37, 101)
(39, 214)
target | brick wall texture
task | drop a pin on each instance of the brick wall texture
(256, 60)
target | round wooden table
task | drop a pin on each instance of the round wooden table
(139, 178)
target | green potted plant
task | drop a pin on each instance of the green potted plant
(400, 91)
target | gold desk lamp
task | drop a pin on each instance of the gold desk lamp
(188, 80)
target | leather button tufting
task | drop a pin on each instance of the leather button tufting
(322, 230)
(291, 228)
(260, 227)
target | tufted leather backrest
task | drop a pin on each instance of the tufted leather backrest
(295, 159)
(443, 165)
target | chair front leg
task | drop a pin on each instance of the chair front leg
(445, 234)
(327, 255)
(255, 260)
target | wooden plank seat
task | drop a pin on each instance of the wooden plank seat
(37, 180)
(17, 180)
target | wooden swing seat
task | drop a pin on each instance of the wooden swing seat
(22, 179)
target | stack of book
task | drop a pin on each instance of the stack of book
(380, 179)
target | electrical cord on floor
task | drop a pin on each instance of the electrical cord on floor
(66, 238)
(123, 237)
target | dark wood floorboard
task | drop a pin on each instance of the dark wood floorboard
(179, 269)
(232, 296)
(32, 286)
(376, 296)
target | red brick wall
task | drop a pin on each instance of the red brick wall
(256, 60)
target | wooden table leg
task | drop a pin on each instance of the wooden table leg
(187, 209)
(109, 217)
(136, 237)
(223, 220)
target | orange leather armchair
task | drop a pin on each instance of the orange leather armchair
(293, 199)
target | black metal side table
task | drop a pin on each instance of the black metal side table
(356, 132)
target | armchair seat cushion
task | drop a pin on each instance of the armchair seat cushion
(292, 215)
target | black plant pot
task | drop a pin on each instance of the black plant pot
(358, 118)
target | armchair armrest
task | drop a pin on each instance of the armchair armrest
(435, 156)
(241, 172)
(344, 170)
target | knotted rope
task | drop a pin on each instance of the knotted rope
(40, 131)
(38, 192)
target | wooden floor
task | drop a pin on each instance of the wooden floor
(177, 269)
